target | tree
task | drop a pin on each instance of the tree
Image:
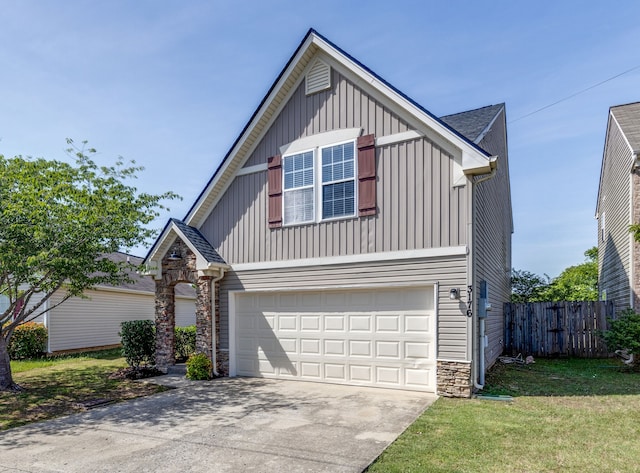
(576, 283)
(57, 223)
(527, 286)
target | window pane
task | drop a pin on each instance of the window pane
(298, 206)
(298, 170)
(337, 162)
(338, 199)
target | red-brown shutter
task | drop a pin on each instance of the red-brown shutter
(274, 178)
(366, 175)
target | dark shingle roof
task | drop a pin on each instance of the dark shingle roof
(473, 122)
(628, 117)
(199, 242)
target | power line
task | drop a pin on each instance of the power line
(576, 93)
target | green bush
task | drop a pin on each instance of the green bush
(624, 333)
(138, 342)
(29, 340)
(185, 342)
(199, 367)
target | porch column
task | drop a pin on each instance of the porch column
(165, 326)
(204, 316)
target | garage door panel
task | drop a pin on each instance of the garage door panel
(388, 349)
(360, 323)
(417, 350)
(388, 323)
(361, 373)
(310, 323)
(334, 323)
(376, 338)
(334, 347)
(388, 375)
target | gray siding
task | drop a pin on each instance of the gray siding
(94, 322)
(492, 237)
(417, 206)
(447, 271)
(614, 244)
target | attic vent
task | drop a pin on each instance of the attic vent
(318, 78)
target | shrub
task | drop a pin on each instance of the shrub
(29, 340)
(138, 342)
(185, 342)
(199, 367)
(624, 333)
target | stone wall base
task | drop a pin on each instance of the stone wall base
(222, 362)
(454, 379)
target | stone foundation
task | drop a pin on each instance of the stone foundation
(454, 379)
(222, 362)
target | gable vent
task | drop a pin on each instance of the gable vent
(318, 78)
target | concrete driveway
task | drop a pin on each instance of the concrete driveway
(225, 425)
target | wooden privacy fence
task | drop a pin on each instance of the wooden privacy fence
(557, 328)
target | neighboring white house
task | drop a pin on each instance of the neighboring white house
(80, 323)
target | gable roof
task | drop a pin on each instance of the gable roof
(199, 242)
(207, 258)
(628, 117)
(474, 124)
(475, 160)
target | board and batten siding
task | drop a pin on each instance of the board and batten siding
(614, 241)
(94, 322)
(447, 272)
(492, 238)
(417, 205)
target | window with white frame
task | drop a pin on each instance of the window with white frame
(338, 181)
(298, 188)
(325, 175)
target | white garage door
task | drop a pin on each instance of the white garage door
(382, 337)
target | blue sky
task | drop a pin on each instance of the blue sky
(171, 84)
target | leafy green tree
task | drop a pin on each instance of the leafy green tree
(57, 222)
(527, 286)
(576, 283)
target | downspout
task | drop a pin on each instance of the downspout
(479, 367)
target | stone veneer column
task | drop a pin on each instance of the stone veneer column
(165, 324)
(222, 357)
(454, 379)
(635, 246)
(204, 327)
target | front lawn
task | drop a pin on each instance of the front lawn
(63, 385)
(576, 415)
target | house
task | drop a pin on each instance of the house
(348, 236)
(94, 321)
(618, 206)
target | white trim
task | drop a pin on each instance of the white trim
(399, 138)
(252, 169)
(487, 128)
(350, 259)
(450, 360)
(232, 332)
(320, 140)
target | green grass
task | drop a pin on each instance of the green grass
(571, 415)
(57, 386)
